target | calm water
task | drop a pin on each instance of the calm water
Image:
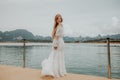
(80, 58)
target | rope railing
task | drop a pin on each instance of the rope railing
(107, 40)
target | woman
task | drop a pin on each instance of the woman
(55, 65)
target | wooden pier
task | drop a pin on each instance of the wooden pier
(18, 73)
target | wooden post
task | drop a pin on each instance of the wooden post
(109, 62)
(24, 52)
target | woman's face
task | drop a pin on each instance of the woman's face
(59, 20)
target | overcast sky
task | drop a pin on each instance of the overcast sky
(80, 17)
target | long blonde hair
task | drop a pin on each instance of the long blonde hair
(55, 25)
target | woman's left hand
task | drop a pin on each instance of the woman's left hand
(55, 47)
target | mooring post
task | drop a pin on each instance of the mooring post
(24, 45)
(109, 62)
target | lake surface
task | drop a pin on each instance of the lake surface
(80, 58)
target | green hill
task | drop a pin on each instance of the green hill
(17, 34)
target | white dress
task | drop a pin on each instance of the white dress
(54, 65)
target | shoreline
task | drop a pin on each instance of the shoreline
(68, 42)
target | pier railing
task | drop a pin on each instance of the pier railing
(108, 53)
(24, 51)
(109, 59)
(106, 40)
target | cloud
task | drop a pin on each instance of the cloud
(83, 17)
(115, 21)
(69, 31)
(113, 27)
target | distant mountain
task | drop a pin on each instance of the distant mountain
(115, 36)
(19, 34)
(99, 38)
